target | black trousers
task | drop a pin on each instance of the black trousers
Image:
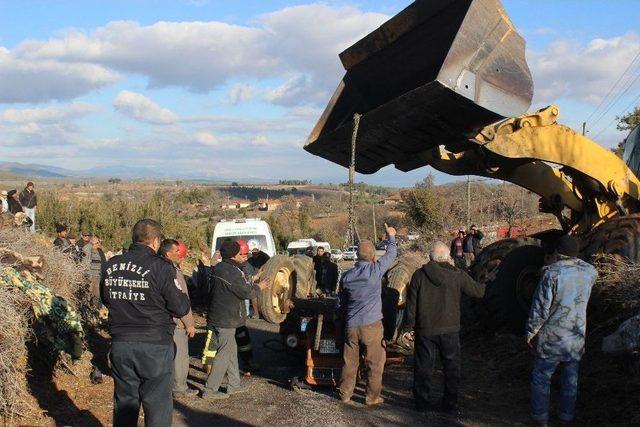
(427, 349)
(243, 341)
(142, 374)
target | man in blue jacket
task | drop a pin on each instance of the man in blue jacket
(556, 328)
(361, 306)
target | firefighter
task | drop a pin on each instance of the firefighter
(142, 293)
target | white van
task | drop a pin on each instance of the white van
(325, 245)
(254, 231)
(300, 246)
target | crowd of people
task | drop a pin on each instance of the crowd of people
(25, 201)
(151, 320)
(465, 247)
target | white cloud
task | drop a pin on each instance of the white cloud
(139, 107)
(240, 93)
(202, 56)
(206, 138)
(581, 72)
(259, 141)
(46, 114)
(41, 80)
(197, 55)
(297, 90)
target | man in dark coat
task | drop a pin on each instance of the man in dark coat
(141, 291)
(226, 313)
(61, 241)
(13, 202)
(472, 245)
(329, 274)
(433, 313)
(29, 202)
(317, 264)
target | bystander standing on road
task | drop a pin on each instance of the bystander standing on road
(175, 252)
(329, 274)
(556, 327)
(317, 265)
(433, 314)
(227, 313)
(243, 338)
(472, 245)
(457, 250)
(142, 293)
(29, 202)
(361, 309)
(257, 260)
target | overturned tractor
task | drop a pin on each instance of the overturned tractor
(446, 84)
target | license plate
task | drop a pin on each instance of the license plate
(303, 325)
(328, 346)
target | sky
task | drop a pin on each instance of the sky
(231, 89)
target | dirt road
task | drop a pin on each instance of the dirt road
(271, 402)
(494, 390)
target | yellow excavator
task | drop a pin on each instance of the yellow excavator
(445, 83)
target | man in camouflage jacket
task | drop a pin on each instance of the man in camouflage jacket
(557, 321)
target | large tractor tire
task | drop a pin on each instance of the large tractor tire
(305, 275)
(273, 301)
(399, 274)
(619, 237)
(394, 294)
(510, 269)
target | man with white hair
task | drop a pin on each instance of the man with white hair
(361, 307)
(433, 313)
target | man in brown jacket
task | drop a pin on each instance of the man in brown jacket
(170, 249)
(433, 313)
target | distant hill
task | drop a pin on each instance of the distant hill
(32, 170)
(117, 171)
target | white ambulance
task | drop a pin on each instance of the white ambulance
(254, 231)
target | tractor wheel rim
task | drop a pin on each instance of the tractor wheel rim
(526, 284)
(280, 289)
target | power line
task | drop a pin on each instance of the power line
(614, 85)
(631, 105)
(617, 98)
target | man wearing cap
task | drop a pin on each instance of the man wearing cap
(84, 245)
(556, 327)
(143, 295)
(227, 313)
(174, 252)
(29, 202)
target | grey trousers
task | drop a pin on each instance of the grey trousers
(142, 374)
(225, 361)
(181, 361)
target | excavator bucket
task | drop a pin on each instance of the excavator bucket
(434, 74)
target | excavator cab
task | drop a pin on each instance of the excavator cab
(434, 74)
(632, 150)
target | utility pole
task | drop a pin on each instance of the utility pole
(584, 128)
(375, 232)
(468, 200)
